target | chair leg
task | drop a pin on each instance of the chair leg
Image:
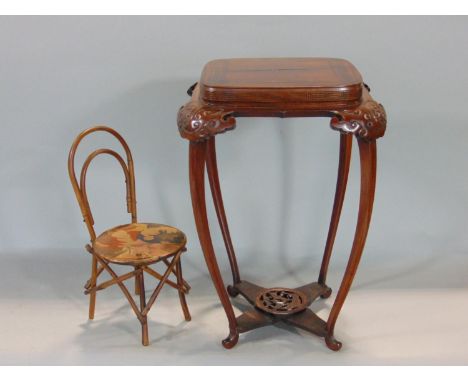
(137, 285)
(145, 306)
(140, 281)
(92, 295)
(180, 282)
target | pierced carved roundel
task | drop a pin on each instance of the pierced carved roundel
(281, 301)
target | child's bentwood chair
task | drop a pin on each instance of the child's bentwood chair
(137, 244)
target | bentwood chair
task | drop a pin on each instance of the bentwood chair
(138, 245)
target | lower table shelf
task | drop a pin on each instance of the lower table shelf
(272, 305)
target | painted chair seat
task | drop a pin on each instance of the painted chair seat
(139, 243)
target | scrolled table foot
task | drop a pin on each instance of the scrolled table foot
(332, 343)
(233, 292)
(231, 341)
(327, 293)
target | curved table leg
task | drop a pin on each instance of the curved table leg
(346, 141)
(368, 159)
(212, 169)
(197, 158)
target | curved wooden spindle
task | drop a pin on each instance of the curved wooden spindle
(197, 161)
(368, 159)
(212, 170)
(346, 141)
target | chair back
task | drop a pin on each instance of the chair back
(80, 186)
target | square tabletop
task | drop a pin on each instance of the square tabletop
(307, 81)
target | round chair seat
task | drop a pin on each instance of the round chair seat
(139, 243)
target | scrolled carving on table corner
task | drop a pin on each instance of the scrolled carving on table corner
(198, 122)
(367, 122)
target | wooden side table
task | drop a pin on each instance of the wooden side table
(283, 87)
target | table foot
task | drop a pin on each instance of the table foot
(230, 341)
(332, 343)
(232, 291)
(327, 293)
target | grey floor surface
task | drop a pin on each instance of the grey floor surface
(388, 319)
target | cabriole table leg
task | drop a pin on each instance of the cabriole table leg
(346, 141)
(368, 160)
(197, 161)
(212, 169)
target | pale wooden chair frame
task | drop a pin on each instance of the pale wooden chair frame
(99, 264)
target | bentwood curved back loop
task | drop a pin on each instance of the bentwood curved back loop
(80, 187)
